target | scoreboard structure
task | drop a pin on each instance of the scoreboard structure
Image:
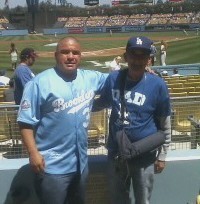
(130, 2)
(91, 2)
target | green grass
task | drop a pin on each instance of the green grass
(179, 52)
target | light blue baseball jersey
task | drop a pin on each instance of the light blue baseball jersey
(59, 110)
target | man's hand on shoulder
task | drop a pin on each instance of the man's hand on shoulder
(151, 71)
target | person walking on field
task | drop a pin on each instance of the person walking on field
(153, 54)
(13, 55)
(140, 116)
(53, 118)
(163, 53)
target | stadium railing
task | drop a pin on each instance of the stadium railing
(15, 173)
(182, 130)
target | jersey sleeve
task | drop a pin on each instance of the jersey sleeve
(25, 77)
(101, 82)
(104, 100)
(29, 110)
(163, 106)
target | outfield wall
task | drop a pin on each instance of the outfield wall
(121, 29)
(13, 32)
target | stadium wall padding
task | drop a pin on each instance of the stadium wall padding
(13, 32)
(179, 182)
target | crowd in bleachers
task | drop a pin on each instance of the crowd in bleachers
(116, 20)
(196, 18)
(139, 19)
(96, 20)
(76, 22)
(3, 22)
(136, 19)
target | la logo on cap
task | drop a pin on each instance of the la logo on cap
(139, 41)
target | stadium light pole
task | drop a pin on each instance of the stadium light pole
(32, 8)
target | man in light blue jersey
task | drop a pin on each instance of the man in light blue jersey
(140, 110)
(53, 118)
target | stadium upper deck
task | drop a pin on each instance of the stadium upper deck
(122, 20)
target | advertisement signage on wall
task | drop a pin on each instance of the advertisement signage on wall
(134, 28)
(141, 1)
(91, 2)
(75, 30)
(94, 30)
(177, 1)
(130, 2)
(114, 29)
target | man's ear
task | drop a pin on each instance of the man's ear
(125, 57)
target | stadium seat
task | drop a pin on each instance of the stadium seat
(1, 97)
(194, 93)
(193, 80)
(180, 94)
(4, 126)
(181, 111)
(175, 85)
(183, 89)
(197, 88)
(192, 84)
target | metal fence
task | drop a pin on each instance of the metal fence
(185, 129)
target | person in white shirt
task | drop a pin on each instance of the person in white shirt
(175, 73)
(13, 55)
(115, 64)
(3, 79)
(163, 53)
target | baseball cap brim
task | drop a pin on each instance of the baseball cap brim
(139, 51)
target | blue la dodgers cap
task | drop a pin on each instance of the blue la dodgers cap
(141, 43)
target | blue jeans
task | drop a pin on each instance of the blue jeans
(62, 189)
(142, 176)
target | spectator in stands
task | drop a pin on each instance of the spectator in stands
(163, 53)
(175, 73)
(3, 79)
(164, 73)
(140, 108)
(9, 93)
(23, 73)
(115, 64)
(53, 118)
(153, 54)
(157, 73)
(13, 55)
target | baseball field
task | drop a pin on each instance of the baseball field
(100, 48)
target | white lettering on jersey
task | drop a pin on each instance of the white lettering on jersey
(138, 99)
(139, 41)
(76, 104)
(115, 94)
